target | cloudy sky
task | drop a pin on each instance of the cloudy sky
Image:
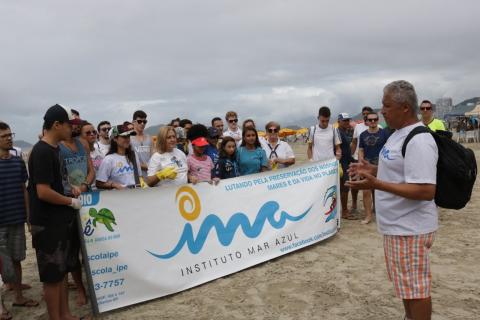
(269, 60)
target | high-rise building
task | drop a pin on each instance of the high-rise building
(443, 106)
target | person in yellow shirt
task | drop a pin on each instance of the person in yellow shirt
(426, 110)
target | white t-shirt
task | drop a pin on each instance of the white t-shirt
(397, 215)
(143, 149)
(323, 142)
(102, 148)
(237, 135)
(176, 159)
(281, 151)
(115, 168)
(97, 157)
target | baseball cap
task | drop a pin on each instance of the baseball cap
(122, 131)
(344, 116)
(213, 132)
(200, 142)
(61, 114)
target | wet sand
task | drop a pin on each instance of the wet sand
(341, 278)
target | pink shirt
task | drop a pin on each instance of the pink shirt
(201, 168)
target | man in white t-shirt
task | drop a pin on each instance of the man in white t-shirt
(141, 142)
(405, 188)
(103, 144)
(323, 139)
(279, 153)
(233, 130)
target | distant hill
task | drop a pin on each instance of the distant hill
(464, 106)
(153, 130)
(24, 145)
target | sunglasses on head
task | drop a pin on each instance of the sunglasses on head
(141, 121)
(273, 130)
(233, 120)
(372, 119)
(105, 129)
(91, 133)
(425, 108)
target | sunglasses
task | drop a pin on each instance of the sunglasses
(233, 120)
(141, 121)
(425, 108)
(372, 119)
(105, 129)
(91, 133)
(273, 130)
(8, 135)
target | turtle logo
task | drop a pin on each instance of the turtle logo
(103, 216)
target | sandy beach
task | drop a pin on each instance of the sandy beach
(341, 278)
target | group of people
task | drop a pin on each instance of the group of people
(74, 156)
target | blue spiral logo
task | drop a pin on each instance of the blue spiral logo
(226, 233)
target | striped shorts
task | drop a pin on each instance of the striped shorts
(408, 264)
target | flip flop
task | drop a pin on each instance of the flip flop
(350, 217)
(29, 303)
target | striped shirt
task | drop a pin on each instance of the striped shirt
(14, 176)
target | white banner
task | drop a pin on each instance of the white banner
(147, 243)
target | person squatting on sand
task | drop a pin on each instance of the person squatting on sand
(405, 188)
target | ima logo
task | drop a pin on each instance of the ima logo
(189, 207)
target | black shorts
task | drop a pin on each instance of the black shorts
(55, 250)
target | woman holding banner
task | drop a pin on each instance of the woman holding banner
(168, 165)
(120, 168)
(250, 156)
(279, 153)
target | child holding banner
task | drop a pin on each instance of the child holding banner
(199, 164)
(227, 167)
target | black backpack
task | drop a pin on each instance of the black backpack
(456, 169)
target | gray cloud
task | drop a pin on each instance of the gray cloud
(265, 59)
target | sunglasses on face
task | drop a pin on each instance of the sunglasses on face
(105, 129)
(141, 121)
(425, 108)
(233, 120)
(273, 130)
(91, 133)
(8, 135)
(372, 119)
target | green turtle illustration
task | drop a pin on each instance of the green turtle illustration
(104, 216)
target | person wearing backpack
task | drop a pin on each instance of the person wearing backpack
(323, 139)
(405, 189)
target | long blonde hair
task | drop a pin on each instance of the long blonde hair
(161, 143)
